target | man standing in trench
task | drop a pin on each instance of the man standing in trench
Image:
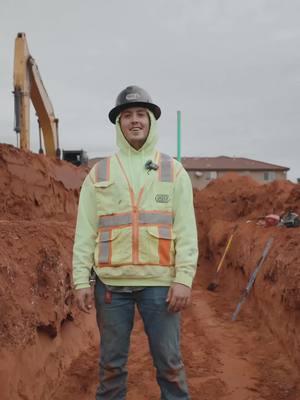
(136, 230)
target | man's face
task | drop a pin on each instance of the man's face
(135, 125)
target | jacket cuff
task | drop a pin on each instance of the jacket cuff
(184, 279)
(82, 286)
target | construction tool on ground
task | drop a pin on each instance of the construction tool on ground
(214, 284)
(252, 278)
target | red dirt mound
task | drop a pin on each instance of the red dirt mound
(234, 204)
(38, 202)
(34, 186)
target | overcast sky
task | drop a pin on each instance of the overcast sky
(231, 66)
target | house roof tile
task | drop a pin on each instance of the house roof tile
(224, 163)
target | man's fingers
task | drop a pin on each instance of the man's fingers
(84, 300)
(169, 295)
(178, 293)
(185, 303)
(88, 302)
(171, 299)
(178, 297)
(174, 305)
(181, 304)
(81, 305)
(178, 304)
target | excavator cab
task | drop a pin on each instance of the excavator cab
(76, 157)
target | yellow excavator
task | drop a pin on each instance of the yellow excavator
(28, 86)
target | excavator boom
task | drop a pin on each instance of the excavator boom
(22, 91)
(28, 85)
(44, 109)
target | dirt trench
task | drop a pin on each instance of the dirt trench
(48, 350)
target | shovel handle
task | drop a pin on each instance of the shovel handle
(225, 252)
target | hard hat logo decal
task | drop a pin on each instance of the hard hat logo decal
(132, 96)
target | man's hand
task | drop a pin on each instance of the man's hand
(179, 297)
(84, 298)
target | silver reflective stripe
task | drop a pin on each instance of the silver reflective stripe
(104, 244)
(164, 233)
(155, 218)
(102, 170)
(166, 170)
(114, 220)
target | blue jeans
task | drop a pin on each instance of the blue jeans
(115, 322)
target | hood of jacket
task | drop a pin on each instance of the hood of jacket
(149, 145)
(134, 160)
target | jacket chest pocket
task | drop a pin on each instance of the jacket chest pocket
(111, 197)
(157, 245)
(105, 197)
(114, 246)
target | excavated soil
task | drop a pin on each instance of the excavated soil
(49, 350)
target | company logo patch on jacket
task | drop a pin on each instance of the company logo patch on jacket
(162, 198)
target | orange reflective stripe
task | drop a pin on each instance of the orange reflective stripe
(135, 229)
(140, 196)
(164, 245)
(135, 216)
(124, 172)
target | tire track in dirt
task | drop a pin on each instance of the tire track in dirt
(216, 368)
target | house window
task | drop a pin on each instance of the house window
(269, 176)
(198, 174)
(211, 175)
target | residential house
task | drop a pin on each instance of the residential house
(203, 169)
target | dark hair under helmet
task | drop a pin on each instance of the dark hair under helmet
(133, 96)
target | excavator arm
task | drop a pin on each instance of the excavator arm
(28, 85)
(22, 91)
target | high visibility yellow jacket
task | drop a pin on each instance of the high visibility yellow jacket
(136, 227)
